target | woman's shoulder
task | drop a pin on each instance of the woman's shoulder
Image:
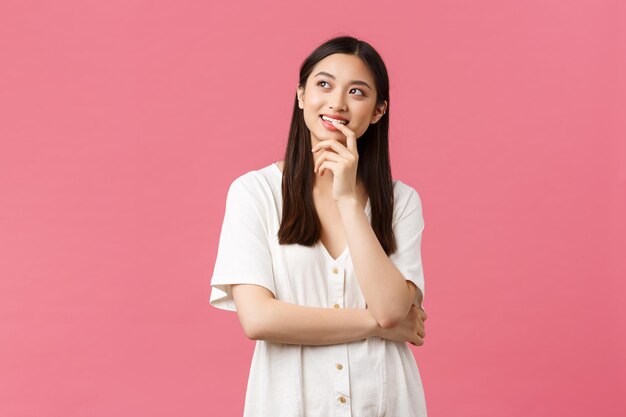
(253, 186)
(253, 180)
(406, 199)
(403, 191)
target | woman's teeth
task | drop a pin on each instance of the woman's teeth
(330, 119)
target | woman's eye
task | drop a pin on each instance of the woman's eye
(357, 89)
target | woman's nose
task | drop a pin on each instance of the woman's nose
(338, 102)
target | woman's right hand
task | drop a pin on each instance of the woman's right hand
(410, 329)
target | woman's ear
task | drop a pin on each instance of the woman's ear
(300, 93)
(380, 112)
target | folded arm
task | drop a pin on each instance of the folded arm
(262, 317)
(380, 278)
(388, 298)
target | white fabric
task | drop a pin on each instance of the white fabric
(379, 377)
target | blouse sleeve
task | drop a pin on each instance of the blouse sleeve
(243, 255)
(408, 232)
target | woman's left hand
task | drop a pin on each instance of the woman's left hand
(342, 162)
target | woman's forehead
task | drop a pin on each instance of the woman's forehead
(343, 67)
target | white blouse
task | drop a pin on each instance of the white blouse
(372, 377)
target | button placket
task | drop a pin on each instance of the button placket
(341, 377)
(342, 382)
(336, 285)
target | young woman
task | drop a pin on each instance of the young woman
(319, 254)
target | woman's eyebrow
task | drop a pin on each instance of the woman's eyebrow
(358, 82)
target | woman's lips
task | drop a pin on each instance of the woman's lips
(329, 125)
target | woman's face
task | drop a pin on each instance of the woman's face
(339, 85)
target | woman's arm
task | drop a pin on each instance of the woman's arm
(265, 318)
(389, 299)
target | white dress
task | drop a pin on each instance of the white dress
(377, 377)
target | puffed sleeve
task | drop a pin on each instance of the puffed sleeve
(243, 255)
(408, 231)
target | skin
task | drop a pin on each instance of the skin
(340, 200)
(356, 103)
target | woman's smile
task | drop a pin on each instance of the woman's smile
(329, 125)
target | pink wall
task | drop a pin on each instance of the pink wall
(122, 123)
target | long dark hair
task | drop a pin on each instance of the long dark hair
(300, 222)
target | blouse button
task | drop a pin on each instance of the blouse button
(335, 271)
(342, 399)
(339, 366)
(336, 306)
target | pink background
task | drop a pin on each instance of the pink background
(122, 124)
